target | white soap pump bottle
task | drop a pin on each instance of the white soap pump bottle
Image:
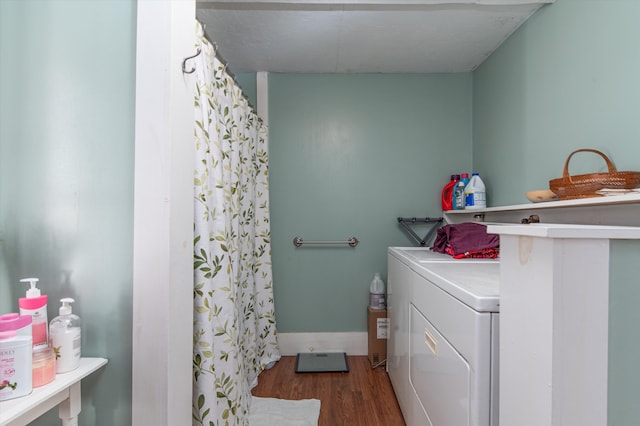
(64, 332)
(35, 304)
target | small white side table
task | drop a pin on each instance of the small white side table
(63, 391)
(554, 322)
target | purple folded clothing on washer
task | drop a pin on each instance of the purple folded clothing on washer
(464, 237)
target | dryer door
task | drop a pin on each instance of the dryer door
(438, 374)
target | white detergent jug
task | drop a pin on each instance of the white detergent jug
(376, 293)
(475, 193)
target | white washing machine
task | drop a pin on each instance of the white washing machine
(442, 354)
(424, 254)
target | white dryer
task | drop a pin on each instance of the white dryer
(442, 354)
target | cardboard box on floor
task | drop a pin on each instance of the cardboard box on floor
(378, 329)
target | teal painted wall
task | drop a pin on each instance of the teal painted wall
(568, 79)
(349, 154)
(624, 339)
(247, 81)
(67, 78)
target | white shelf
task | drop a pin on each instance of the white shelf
(617, 210)
(582, 202)
(65, 387)
(567, 231)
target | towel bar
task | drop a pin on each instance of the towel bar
(352, 241)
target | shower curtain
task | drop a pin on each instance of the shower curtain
(234, 333)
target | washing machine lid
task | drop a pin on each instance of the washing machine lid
(473, 283)
(424, 254)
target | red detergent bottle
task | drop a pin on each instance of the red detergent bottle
(447, 193)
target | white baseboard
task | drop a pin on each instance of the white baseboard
(353, 343)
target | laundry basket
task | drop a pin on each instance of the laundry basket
(585, 186)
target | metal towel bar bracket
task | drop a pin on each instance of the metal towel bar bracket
(352, 241)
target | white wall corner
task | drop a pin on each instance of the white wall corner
(262, 95)
(163, 216)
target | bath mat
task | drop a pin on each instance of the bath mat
(283, 412)
(322, 362)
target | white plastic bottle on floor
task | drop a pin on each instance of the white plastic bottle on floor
(475, 193)
(376, 292)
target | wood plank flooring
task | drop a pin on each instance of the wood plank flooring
(361, 397)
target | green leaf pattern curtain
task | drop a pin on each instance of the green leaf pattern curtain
(234, 333)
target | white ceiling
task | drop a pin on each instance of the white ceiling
(358, 36)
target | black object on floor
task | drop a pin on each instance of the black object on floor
(322, 362)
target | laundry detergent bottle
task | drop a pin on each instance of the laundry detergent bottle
(65, 338)
(458, 195)
(447, 193)
(475, 193)
(464, 177)
(35, 304)
(376, 292)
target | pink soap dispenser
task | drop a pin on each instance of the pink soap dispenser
(35, 304)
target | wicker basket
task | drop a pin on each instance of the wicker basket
(585, 186)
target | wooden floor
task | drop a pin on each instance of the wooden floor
(361, 397)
